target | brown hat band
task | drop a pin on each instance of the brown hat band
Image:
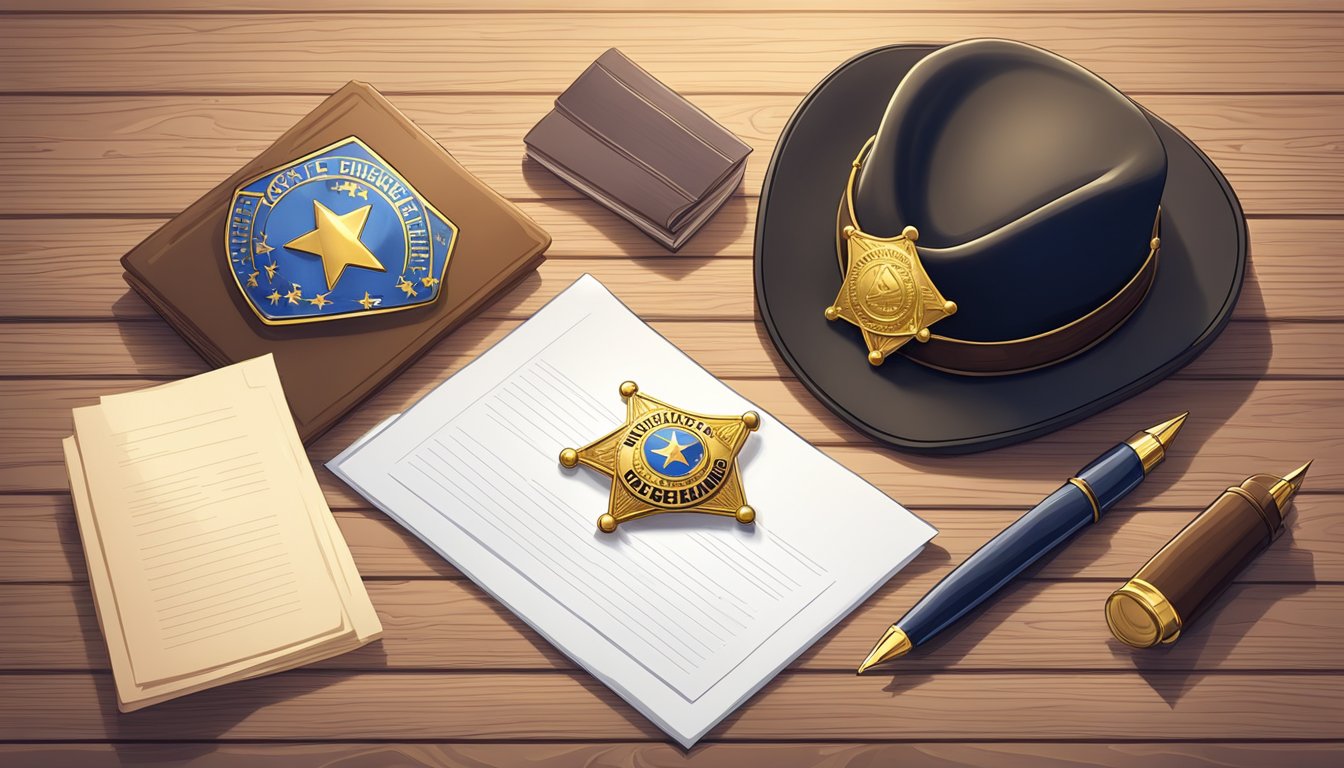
(995, 358)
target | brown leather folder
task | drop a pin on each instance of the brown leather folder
(328, 368)
(639, 148)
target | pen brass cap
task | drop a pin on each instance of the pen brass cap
(1152, 443)
(1139, 615)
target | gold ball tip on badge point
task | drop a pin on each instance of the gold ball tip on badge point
(745, 515)
(922, 335)
(847, 232)
(752, 419)
(1155, 243)
(910, 233)
(628, 388)
(949, 307)
(606, 523)
(832, 313)
(569, 458)
(875, 357)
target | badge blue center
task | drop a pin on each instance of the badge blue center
(673, 452)
(338, 233)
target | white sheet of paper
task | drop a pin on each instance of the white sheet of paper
(683, 615)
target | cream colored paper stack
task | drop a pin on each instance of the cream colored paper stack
(212, 554)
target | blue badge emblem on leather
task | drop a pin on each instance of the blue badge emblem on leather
(335, 234)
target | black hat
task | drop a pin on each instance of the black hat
(1012, 246)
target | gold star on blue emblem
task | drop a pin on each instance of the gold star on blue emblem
(335, 238)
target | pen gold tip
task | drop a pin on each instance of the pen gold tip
(1151, 444)
(893, 644)
(1298, 475)
(1284, 490)
(1166, 431)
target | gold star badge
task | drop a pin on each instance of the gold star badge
(336, 240)
(887, 293)
(665, 459)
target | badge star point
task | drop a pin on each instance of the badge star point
(335, 239)
(638, 489)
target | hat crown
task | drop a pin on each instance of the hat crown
(1033, 183)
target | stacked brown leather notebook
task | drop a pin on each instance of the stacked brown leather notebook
(182, 270)
(639, 148)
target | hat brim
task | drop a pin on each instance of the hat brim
(912, 407)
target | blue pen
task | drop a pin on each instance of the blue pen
(1080, 501)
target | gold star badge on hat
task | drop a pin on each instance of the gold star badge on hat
(887, 293)
(665, 459)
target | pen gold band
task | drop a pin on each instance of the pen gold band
(1139, 615)
(1091, 497)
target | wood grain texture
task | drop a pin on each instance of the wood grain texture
(728, 53)
(38, 534)
(70, 269)
(1227, 441)
(157, 154)
(738, 349)
(797, 755)
(119, 113)
(319, 704)
(451, 625)
(645, 6)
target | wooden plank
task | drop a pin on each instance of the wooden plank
(1277, 150)
(728, 349)
(70, 269)
(311, 705)
(39, 542)
(542, 52)
(1241, 427)
(451, 625)
(704, 755)
(643, 6)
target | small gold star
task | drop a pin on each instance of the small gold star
(270, 270)
(252, 280)
(261, 247)
(429, 282)
(294, 294)
(406, 286)
(368, 302)
(672, 451)
(274, 297)
(320, 300)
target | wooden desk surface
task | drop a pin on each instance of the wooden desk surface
(115, 115)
